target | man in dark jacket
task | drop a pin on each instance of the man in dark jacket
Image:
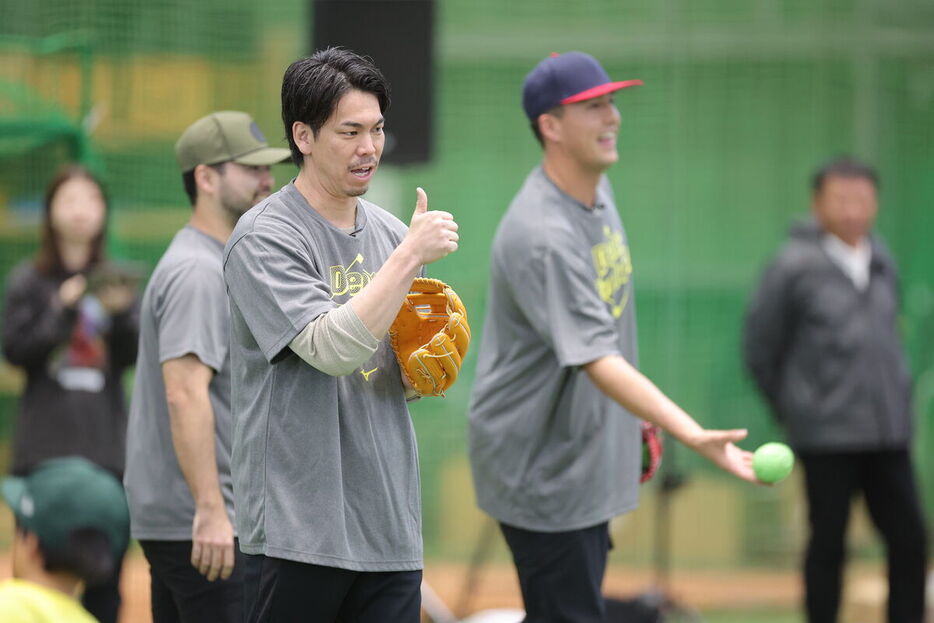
(822, 344)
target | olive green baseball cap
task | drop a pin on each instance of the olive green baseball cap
(226, 136)
(66, 494)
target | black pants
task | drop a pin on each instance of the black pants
(180, 594)
(887, 482)
(283, 591)
(103, 600)
(561, 573)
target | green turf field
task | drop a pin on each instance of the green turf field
(752, 616)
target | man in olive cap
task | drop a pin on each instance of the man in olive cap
(71, 528)
(179, 433)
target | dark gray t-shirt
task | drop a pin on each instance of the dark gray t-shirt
(184, 311)
(549, 451)
(325, 467)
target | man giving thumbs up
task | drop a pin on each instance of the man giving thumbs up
(325, 468)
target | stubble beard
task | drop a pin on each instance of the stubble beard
(234, 209)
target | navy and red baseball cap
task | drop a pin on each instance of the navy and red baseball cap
(565, 79)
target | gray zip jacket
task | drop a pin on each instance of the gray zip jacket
(826, 356)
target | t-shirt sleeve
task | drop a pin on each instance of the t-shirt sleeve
(276, 288)
(194, 316)
(558, 294)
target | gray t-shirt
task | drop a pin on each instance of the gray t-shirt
(184, 311)
(325, 467)
(549, 451)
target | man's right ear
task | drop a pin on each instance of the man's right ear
(549, 127)
(29, 542)
(206, 179)
(815, 201)
(303, 137)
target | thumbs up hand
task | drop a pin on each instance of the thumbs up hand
(432, 233)
(421, 201)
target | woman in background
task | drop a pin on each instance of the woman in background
(70, 322)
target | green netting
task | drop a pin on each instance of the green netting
(742, 99)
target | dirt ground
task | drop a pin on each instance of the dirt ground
(496, 587)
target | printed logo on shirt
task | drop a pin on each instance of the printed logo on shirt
(79, 364)
(349, 280)
(613, 265)
(366, 373)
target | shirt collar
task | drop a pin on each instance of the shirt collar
(599, 201)
(862, 252)
(853, 261)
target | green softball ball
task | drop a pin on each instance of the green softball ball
(772, 462)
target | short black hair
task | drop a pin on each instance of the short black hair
(843, 166)
(88, 555)
(188, 181)
(557, 111)
(312, 87)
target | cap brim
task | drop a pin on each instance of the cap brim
(264, 156)
(602, 89)
(13, 489)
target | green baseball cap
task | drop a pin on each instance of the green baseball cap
(226, 136)
(66, 494)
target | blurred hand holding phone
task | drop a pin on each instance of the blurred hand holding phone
(115, 284)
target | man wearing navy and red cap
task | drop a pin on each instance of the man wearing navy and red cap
(558, 403)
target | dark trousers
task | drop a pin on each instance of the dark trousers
(103, 600)
(182, 595)
(561, 573)
(283, 591)
(886, 480)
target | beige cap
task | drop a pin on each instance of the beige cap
(226, 136)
